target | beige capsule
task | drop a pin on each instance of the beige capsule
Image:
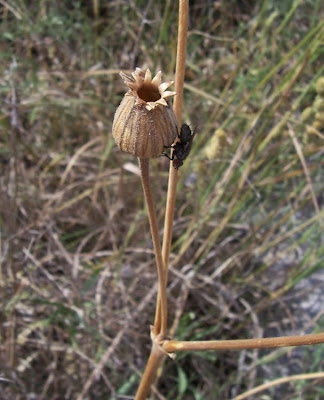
(144, 123)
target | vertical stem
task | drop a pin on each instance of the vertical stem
(179, 81)
(150, 371)
(162, 257)
(181, 57)
(160, 323)
(173, 173)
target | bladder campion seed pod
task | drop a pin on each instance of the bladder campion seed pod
(144, 123)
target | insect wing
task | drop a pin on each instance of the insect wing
(185, 134)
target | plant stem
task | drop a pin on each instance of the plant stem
(149, 374)
(178, 101)
(173, 173)
(279, 381)
(172, 346)
(160, 323)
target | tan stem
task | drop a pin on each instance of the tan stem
(181, 57)
(279, 381)
(160, 323)
(150, 371)
(172, 346)
(173, 173)
(178, 101)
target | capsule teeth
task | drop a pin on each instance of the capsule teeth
(148, 77)
(164, 86)
(157, 79)
(150, 106)
(162, 102)
(168, 94)
(126, 78)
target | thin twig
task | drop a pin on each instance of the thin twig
(300, 153)
(160, 323)
(173, 173)
(15, 12)
(178, 101)
(157, 353)
(280, 381)
(98, 370)
(153, 363)
(172, 346)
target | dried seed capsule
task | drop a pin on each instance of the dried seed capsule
(144, 123)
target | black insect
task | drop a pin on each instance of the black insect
(182, 147)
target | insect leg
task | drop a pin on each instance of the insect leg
(167, 155)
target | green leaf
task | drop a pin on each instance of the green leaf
(182, 382)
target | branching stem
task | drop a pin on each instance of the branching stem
(160, 324)
(172, 346)
(153, 363)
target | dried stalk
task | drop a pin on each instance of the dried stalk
(157, 353)
(279, 381)
(173, 346)
(179, 83)
(160, 323)
(178, 101)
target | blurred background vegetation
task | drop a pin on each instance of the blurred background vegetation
(77, 273)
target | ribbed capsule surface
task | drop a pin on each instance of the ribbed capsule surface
(144, 123)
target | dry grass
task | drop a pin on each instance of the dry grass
(77, 269)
